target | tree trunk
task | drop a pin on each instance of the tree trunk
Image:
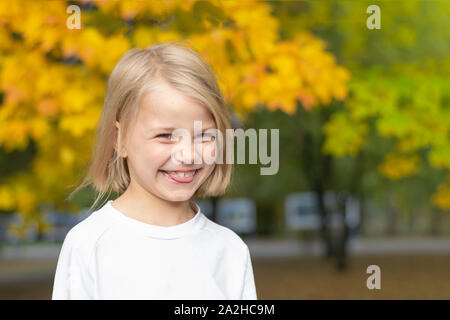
(354, 189)
(324, 229)
(435, 222)
(343, 235)
(317, 167)
(412, 217)
(214, 201)
(391, 228)
(362, 214)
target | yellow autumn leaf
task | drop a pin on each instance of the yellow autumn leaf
(399, 166)
(7, 200)
(442, 197)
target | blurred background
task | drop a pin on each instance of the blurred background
(363, 113)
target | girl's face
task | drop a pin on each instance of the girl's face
(149, 147)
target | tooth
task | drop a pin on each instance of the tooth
(181, 174)
(190, 174)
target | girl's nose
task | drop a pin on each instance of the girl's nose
(187, 153)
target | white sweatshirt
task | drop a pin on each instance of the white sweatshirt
(112, 256)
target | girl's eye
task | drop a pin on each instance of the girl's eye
(164, 135)
(206, 136)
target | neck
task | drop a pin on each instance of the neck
(141, 205)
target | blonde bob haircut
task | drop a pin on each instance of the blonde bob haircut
(137, 71)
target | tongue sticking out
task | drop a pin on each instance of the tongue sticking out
(184, 177)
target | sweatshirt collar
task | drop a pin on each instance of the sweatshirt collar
(161, 232)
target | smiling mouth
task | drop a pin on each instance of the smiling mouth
(180, 176)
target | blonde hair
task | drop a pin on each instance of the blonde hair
(136, 72)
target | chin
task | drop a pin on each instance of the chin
(179, 197)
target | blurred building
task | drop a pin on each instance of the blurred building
(302, 212)
(238, 214)
(61, 223)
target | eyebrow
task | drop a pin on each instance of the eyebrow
(212, 126)
(162, 128)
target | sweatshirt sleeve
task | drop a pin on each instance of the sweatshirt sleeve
(248, 290)
(72, 278)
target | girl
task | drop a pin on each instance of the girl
(153, 242)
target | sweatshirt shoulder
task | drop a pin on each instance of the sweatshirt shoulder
(225, 234)
(87, 232)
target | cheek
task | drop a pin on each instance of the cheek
(152, 155)
(207, 171)
(208, 151)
